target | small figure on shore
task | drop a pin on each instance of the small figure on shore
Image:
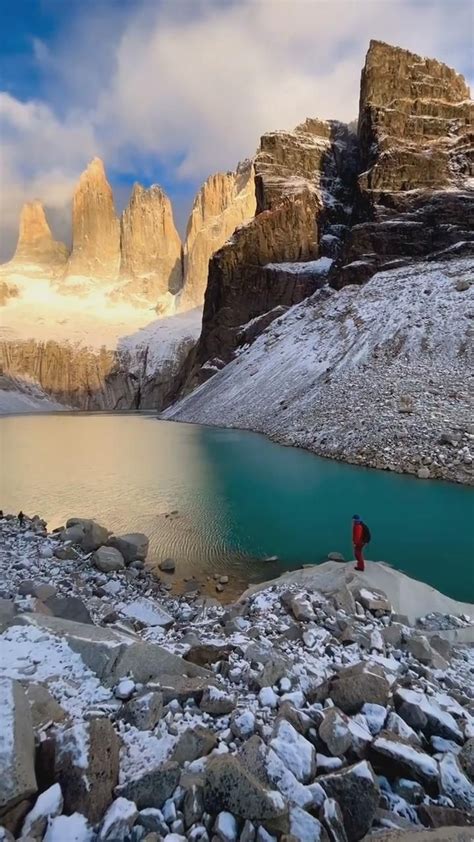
(21, 517)
(360, 537)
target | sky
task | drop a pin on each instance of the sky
(170, 91)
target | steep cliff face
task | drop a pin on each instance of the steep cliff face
(95, 227)
(151, 251)
(414, 194)
(304, 184)
(224, 202)
(35, 240)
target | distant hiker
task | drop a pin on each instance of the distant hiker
(21, 517)
(360, 537)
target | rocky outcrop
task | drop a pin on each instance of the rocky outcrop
(95, 227)
(224, 202)
(304, 181)
(35, 240)
(150, 246)
(138, 377)
(417, 155)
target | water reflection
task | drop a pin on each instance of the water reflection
(238, 497)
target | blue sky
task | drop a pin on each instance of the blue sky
(169, 92)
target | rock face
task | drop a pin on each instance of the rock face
(416, 141)
(304, 182)
(35, 240)
(95, 227)
(225, 201)
(150, 246)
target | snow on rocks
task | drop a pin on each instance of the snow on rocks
(294, 712)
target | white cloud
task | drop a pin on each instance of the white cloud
(192, 85)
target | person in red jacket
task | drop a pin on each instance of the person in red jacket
(358, 539)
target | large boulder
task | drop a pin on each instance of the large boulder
(455, 784)
(152, 788)
(229, 786)
(352, 687)
(108, 559)
(357, 792)
(194, 743)
(90, 535)
(144, 711)
(466, 758)
(44, 707)
(294, 750)
(394, 755)
(69, 607)
(48, 805)
(133, 546)
(87, 767)
(17, 746)
(334, 731)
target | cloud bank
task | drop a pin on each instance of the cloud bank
(187, 88)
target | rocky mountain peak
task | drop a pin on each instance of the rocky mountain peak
(35, 240)
(150, 245)
(225, 201)
(95, 226)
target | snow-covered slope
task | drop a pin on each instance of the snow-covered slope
(88, 350)
(377, 375)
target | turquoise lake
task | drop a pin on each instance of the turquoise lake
(238, 498)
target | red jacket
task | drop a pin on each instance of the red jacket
(357, 534)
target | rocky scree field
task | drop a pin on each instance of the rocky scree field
(294, 714)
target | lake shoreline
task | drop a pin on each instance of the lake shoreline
(448, 474)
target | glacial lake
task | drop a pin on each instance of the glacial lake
(236, 497)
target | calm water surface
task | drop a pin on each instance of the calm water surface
(239, 497)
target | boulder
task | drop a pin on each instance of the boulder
(225, 827)
(7, 613)
(205, 655)
(294, 750)
(108, 559)
(357, 792)
(242, 723)
(217, 702)
(87, 767)
(302, 609)
(304, 827)
(48, 805)
(41, 590)
(466, 758)
(44, 707)
(133, 546)
(118, 821)
(167, 566)
(74, 828)
(419, 647)
(374, 600)
(334, 731)
(91, 534)
(194, 743)
(229, 786)
(333, 821)
(392, 755)
(433, 815)
(144, 711)
(68, 607)
(455, 784)
(17, 746)
(352, 687)
(152, 788)
(193, 805)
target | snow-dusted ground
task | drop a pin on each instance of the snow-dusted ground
(375, 375)
(300, 636)
(17, 396)
(72, 337)
(83, 315)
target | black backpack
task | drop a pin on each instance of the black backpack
(366, 536)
